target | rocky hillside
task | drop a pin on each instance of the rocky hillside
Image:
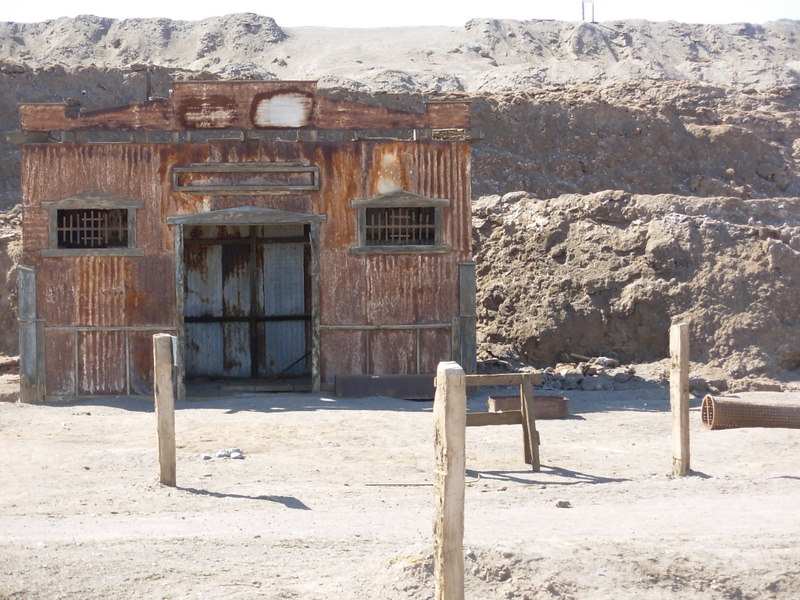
(698, 127)
(485, 55)
(607, 273)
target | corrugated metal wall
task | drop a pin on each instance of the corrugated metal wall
(100, 312)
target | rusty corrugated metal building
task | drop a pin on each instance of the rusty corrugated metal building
(275, 231)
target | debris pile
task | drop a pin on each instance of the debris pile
(227, 453)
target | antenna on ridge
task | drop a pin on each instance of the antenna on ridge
(583, 9)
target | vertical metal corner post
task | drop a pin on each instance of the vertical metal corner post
(31, 339)
(315, 358)
(467, 289)
(180, 328)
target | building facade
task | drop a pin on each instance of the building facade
(277, 232)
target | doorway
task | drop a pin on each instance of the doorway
(247, 301)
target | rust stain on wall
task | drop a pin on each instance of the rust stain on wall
(60, 375)
(393, 352)
(101, 362)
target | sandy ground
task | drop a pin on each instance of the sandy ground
(333, 501)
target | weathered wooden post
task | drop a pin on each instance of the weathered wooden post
(450, 427)
(165, 406)
(530, 437)
(679, 397)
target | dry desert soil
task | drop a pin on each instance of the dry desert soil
(334, 501)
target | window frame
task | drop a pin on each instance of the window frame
(91, 200)
(400, 199)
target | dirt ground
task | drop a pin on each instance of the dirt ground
(333, 501)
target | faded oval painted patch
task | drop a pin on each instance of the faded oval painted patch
(283, 110)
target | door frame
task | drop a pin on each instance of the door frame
(244, 215)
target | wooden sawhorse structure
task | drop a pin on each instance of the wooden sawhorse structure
(526, 416)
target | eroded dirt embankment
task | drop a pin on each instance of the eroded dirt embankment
(606, 274)
(588, 272)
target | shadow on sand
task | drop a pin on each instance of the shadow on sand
(287, 501)
(547, 476)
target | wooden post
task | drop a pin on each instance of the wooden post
(165, 406)
(530, 437)
(679, 397)
(450, 427)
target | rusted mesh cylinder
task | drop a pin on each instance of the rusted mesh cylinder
(731, 413)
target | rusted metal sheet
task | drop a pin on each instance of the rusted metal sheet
(343, 288)
(285, 349)
(245, 179)
(392, 352)
(60, 370)
(102, 362)
(343, 114)
(385, 171)
(203, 281)
(152, 115)
(56, 298)
(391, 289)
(340, 180)
(411, 289)
(203, 298)
(443, 172)
(250, 105)
(341, 352)
(295, 203)
(100, 286)
(140, 360)
(436, 292)
(127, 171)
(449, 115)
(236, 350)
(150, 291)
(434, 347)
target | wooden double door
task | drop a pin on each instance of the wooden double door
(247, 310)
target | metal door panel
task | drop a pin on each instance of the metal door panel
(236, 349)
(236, 280)
(283, 295)
(284, 279)
(203, 281)
(245, 304)
(204, 349)
(285, 344)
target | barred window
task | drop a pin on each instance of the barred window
(400, 222)
(400, 226)
(88, 228)
(92, 223)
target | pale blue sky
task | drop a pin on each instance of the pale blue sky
(358, 13)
